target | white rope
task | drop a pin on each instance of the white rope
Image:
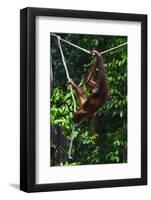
(63, 59)
(73, 98)
(70, 43)
(113, 48)
(71, 141)
(67, 73)
(51, 71)
(85, 50)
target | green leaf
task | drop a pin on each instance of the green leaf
(121, 114)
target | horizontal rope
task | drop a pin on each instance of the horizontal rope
(113, 48)
(85, 50)
(74, 45)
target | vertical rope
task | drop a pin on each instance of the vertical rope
(73, 98)
(51, 71)
(71, 141)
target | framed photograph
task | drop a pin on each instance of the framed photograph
(83, 99)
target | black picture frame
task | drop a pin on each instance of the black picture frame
(28, 98)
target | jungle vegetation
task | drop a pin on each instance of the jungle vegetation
(102, 138)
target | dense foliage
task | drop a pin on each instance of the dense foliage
(102, 138)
